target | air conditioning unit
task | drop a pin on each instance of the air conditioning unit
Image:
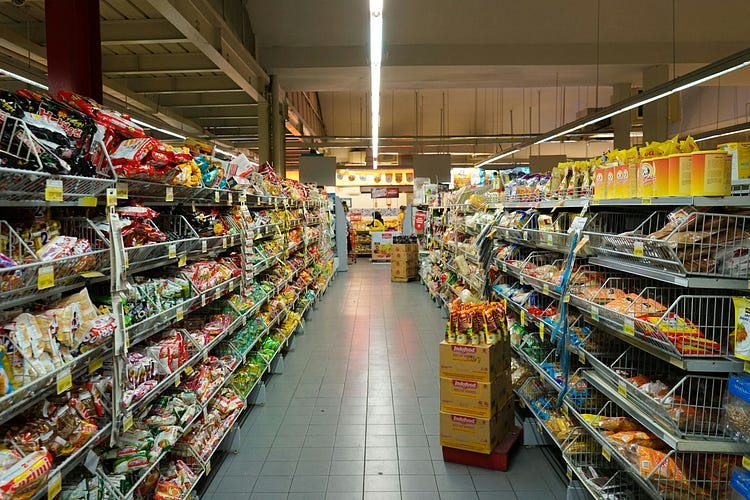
(357, 157)
(388, 159)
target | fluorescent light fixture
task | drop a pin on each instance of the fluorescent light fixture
(732, 130)
(225, 153)
(376, 57)
(162, 130)
(498, 157)
(714, 70)
(23, 79)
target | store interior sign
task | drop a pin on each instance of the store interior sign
(371, 177)
(384, 192)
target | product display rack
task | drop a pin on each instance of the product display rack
(110, 260)
(619, 342)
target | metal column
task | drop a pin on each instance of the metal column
(622, 123)
(264, 132)
(278, 124)
(74, 47)
(655, 124)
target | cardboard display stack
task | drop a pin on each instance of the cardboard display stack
(476, 402)
(404, 258)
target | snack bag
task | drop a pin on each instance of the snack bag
(741, 325)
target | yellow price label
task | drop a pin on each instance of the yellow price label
(505, 267)
(208, 466)
(646, 201)
(747, 367)
(595, 313)
(628, 327)
(217, 294)
(183, 261)
(54, 485)
(205, 356)
(169, 195)
(231, 240)
(127, 341)
(638, 249)
(523, 318)
(88, 201)
(622, 389)
(606, 454)
(545, 289)
(95, 364)
(203, 299)
(53, 190)
(746, 463)
(569, 474)
(224, 242)
(172, 251)
(217, 196)
(541, 330)
(111, 197)
(122, 190)
(581, 357)
(565, 410)
(126, 263)
(229, 198)
(550, 240)
(204, 246)
(92, 274)
(127, 422)
(526, 235)
(188, 370)
(177, 381)
(243, 197)
(180, 313)
(595, 201)
(45, 277)
(566, 298)
(64, 380)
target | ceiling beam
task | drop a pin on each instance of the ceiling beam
(527, 54)
(225, 121)
(24, 50)
(154, 64)
(205, 100)
(204, 27)
(116, 32)
(184, 85)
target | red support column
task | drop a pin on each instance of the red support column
(74, 48)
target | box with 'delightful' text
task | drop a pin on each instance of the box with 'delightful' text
(472, 398)
(481, 363)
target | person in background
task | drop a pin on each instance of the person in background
(401, 215)
(377, 223)
(348, 227)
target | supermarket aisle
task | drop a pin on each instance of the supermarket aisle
(355, 414)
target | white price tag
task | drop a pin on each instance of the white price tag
(204, 246)
(217, 196)
(229, 198)
(224, 242)
(172, 251)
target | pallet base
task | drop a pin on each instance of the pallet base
(403, 280)
(497, 460)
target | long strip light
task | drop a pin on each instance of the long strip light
(714, 70)
(740, 128)
(22, 79)
(376, 57)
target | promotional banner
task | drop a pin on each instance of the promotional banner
(419, 219)
(381, 245)
(384, 193)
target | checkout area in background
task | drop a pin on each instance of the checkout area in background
(376, 244)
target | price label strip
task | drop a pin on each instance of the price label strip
(53, 190)
(54, 485)
(122, 190)
(169, 195)
(628, 327)
(622, 389)
(45, 277)
(95, 364)
(64, 380)
(90, 201)
(172, 251)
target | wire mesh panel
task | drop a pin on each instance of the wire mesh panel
(22, 168)
(542, 268)
(518, 227)
(687, 406)
(692, 476)
(601, 477)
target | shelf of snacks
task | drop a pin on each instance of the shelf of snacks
(659, 470)
(541, 400)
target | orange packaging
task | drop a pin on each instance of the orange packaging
(622, 184)
(610, 176)
(647, 178)
(680, 172)
(600, 184)
(712, 173)
(661, 176)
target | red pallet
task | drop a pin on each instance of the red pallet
(497, 460)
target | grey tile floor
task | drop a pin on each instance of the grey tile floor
(355, 413)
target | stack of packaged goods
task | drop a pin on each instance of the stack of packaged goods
(476, 408)
(404, 259)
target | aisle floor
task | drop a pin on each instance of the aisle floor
(355, 413)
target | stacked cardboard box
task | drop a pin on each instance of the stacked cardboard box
(476, 404)
(404, 258)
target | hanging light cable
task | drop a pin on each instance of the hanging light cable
(376, 55)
